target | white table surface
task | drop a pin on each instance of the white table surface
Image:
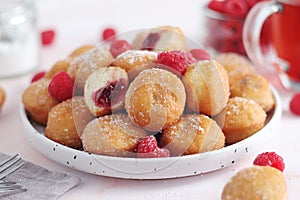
(79, 22)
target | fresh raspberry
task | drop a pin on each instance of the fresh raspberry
(270, 159)
(236, 8)
(61, 86)
(295, 104)
(159, 153)
(251, 3)
(147, 148)
(216, 5)
(147, 144)
(38, 76)
(47, 37)
(200, 54)
(108, 34)
(177, 60)
(119, 46)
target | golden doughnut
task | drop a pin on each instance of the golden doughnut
(82, 66)
(135, 61)
(37, 100)
(113, 135)
(66, 122)
(256, 183)
(193, 134)
(105, 90)
(240, 119)
(81, 50)
(235, 64)
(155, 99)
(207, 87)
(59, 66)
(255, 87)
(161, 38)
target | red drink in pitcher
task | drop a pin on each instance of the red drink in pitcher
(284, 18)
(285, 28)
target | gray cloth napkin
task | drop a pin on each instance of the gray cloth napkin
(41, 184)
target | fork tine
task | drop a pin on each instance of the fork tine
(10, 186)
(10, 170)
(7, 167)
(6, 182)
(8, 160)
(9, 164)
(13, 191)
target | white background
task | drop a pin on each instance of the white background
(79, 22)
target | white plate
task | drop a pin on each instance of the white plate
(152, 168)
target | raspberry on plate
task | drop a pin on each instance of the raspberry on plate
(177, 60)
(119, 46)
(61, 86)
(147, 148)
(200, 54)
(270, 159)
(108, 34)
(38, 76)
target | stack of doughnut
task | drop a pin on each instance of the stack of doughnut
(120, 100)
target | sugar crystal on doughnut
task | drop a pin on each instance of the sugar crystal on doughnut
(135, 61)
(192, 134)
(256, 183)
(113, 135)
(155, 99)
(240, 119)
(37, 100)
(66, 122)
(207, 87)
(82, 66)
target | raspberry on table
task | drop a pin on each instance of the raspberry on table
(38, 76)
(47, 37)
(119, 46)
(61, 86)
(147, 148)
(108, 34)
(295, 104)
(177, 60)
(270, 159)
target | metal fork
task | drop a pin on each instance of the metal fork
(7, 167)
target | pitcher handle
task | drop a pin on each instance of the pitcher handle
(251, 34)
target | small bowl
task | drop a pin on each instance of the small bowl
(224, 33)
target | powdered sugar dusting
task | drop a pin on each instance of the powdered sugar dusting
(111, 134)
(164, 93)
(137, 56)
